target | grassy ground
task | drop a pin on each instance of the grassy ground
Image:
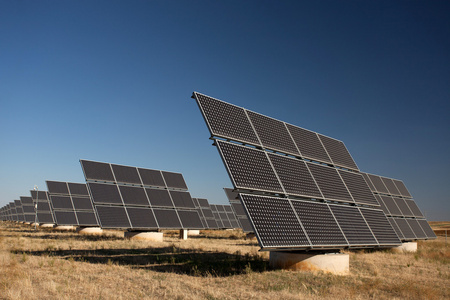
(216, 265)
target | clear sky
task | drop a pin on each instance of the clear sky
(111, 81)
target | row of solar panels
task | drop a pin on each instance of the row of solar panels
(313, 201)
(160, 201)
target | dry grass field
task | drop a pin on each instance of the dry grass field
(215, 265)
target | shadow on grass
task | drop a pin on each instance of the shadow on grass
(166, 259)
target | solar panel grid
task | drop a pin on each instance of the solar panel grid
(112, 216)
(358, 188)
(65, 217)
(78, 189)
(390, 185)
(378, 184)
(167, 218)
(133, 195)
(404, 208)
(142, 218)
(380, 226)
(406, 230)
(272, 133)
(151, 177)
(368, 181)
(391, 205)
(415, 227)
(86, 218)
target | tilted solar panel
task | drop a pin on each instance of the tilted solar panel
(338, 153)
(358, 188)
(426, 228)
(378, 184)
(380, 227)
(414, 208)
(416, 228)
(407, 232)
(97, 171)
(126, 174)
(390, 185)
(402, 188)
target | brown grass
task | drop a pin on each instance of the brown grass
(215, 265)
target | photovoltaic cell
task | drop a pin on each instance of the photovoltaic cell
(426, 228)
(397, 230)
(380, 226)
(358, 188)
(142, 218)
(82, 203)
(338, 153)
(294, 176)
(152, 177)
(319, 223)
(309, 144)
(402, 188)
(418, 232)
(182, 199)
(273, 133)
(226, 120)
(104, 193)
(353, 225)
(390, 185)
(249, 168)
(406, 230)
(132, 195)
(56, 187)
(174, 180)
(391, 206)
(65, 217)
(403, 207)
(190, 219)
(414, 208)
(78, 189)
(86, 218)
(112, 216)
(126, 174)
(97, 171)
(159, 198)
(378, 184)
(275, 222)
(167, 218)
(330, 183)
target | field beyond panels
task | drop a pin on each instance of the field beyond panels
(215, 265)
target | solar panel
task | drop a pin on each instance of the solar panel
(61, 202)
(43, 210)
(426, 228)
(212, 224)
(190, 219)
(390, 185)
(353, 225)
(380, 227)
(295, 176)
(86, 218)
(275, 222)
(404, 208)
(133, 195)
(402, 188)
(45, 217)
(358, 188)
(368, 181)
(378, 184)
(308, 143)
(382, 205)
(406, 230)
(65, 217)
(97, 171)
(249, 168)
(396, 228)
(159, 198)
(319, 223)
(174, 180)
(391, 206)
(151, 177)
(167, 219)
(182, 199)
(112, 216)
(418, 232)
(104, 193)
(272, 133)
(414, 208)
(338, 153)
(78, 189)
(126, 174)
(226, 120)
(329, 182)
(56, 187)
(142, 218)
(82, 203)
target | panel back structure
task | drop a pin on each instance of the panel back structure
(43, 209)
(299, 189)
(400, 208)
(71, 204)
(139, 199)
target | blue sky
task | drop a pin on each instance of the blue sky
(111, 81)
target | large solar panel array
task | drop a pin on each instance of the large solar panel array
(43, 209)
(19, 211)
(398, 205)
(205, 212)
(300, 189)
(71, 204)
(139, 199)
(238, 209)
(224, 216)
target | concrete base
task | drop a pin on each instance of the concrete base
(406, 247)
(46, 225)
(34, 224)
(89, 230)
(183, 234)
(65, 228)
(144, 235)
(193, 232)
(335, 263)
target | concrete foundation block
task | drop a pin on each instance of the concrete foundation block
(193, 232)
(89, 230)
(183, 234)
(144, 235)
(335, 263)
(65, 227)
(406, 247)
(47, 225)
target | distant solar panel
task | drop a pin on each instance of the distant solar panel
(140, 199)
(43, 210)
(205, 213)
